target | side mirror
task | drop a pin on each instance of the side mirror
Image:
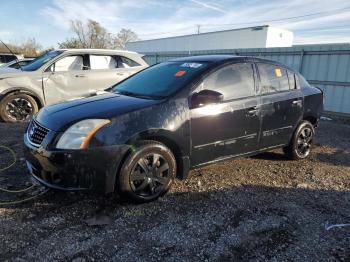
(206, 97)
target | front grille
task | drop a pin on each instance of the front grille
(36, 133)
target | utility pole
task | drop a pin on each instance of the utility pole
(198, 29)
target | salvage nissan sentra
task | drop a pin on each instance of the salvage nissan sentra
(165, 120)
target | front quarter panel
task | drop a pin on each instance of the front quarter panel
(168, 119)
(30, 82)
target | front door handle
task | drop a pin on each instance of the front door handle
(252, 111)
(79, 75)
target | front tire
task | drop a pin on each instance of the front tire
(301, 142)
(18, 107)
(147, 173)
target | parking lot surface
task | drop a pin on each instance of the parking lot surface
(259, 208)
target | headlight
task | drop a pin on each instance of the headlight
(79, 135)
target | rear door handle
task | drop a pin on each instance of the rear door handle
(79, 75)
(297, 102)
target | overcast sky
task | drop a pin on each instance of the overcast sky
(48, 20)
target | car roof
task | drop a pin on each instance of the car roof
(205, 58)
(104, 51)
(226, 58)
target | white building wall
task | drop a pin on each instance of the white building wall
(257, 37)
(277, 37)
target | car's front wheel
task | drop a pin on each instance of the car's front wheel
(301, 142)
(147, 173)
(17, 107)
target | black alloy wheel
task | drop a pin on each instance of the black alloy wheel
(147, 173)
(18, 107)
(304, 141)
(301, 142)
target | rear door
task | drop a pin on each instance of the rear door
(231, 127)
(66, 79)
(281, 104)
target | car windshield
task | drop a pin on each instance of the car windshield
(41, 60)
(161, 80)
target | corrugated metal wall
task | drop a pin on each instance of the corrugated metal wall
(324, 66)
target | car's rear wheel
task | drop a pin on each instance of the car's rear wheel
(147, 173)
(301, 142)
(17, 107)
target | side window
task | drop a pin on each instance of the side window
(233, 81)
(272, 78)
(291, 79)
(125, 62)
(102, 62)
(69, 63)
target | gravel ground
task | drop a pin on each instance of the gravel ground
(259, 208)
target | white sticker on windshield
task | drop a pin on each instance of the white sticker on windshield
(191, 65)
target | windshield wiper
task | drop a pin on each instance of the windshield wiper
(128, 93)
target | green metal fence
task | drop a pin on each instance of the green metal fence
(325, 66)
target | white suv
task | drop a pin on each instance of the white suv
(62, 75)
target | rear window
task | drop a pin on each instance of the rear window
(125, 62)
(272, 78)
(160, 80)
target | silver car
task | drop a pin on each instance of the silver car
(62, 75)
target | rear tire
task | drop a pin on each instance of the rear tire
(301, 142)
(147, 173)
(18, 107)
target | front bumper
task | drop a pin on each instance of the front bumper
(91, 169)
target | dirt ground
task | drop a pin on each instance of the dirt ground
(258, 208)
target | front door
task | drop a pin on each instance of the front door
(230, 127)
(108, 70)
(281, 105)
(65, 80)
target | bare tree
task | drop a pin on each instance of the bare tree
(123, 37)
(93, 35)
(71, 43)
(29, 48)
(89, 35)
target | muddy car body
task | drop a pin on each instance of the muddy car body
(62, 75)
(170, 118)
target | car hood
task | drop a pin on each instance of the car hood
(60, 116)
(9, 72)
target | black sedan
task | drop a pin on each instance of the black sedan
(158, 124)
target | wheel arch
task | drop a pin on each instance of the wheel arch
(166, 137)
(18, 90)
(312, 119)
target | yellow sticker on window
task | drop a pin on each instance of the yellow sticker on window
(278, 72)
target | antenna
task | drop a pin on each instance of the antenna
(198, 29)
(19, 64)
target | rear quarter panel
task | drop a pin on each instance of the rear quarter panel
(313, 101)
